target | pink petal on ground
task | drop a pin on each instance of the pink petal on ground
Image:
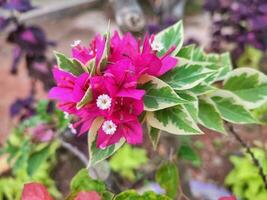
(35, 191)
(88, 196)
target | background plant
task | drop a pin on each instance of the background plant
(31, 150)
(240, 25)
(244, 179)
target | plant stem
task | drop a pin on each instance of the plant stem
(80, 155)
(75, 151)
(248, 150)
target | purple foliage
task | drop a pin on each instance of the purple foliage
(30, 39)
(2, 2)
(4, 22)
(23, 107)
(19, 5)
(17, 55)
(238, 22)
(31, 42)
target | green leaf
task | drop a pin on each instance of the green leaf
(186, 76)
(199, 55)
(87, 98)
(104, 58)
(244, 179)
(128, 194)
(126, 160)
(249, 85)
(231, 109)
(167, 177)
(201, 89)
(153, 196)
(186, 52)
(91, 67)
(71, 65)
(36, 159)
(221, 62)
(209, 116)
(187, 153)
(82, 182)
(96, 155)
(173, 35)
(23, 156)
(159, 95)
(175, 120)
(133, 195)
(154, 135)
(192, 106)
(107, 195)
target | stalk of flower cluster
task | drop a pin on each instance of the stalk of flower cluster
(248, 150)
(75, 151)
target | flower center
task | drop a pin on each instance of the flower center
(103, 102)
(109, 127)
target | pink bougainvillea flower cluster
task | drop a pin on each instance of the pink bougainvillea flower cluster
(37, 191)
(116, 97)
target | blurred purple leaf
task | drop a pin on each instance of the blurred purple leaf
(212, 5)
(246, 20)
(23, 104)
(17, 55)
(19, 5)
(2, 2)
(263, 8)
(4, 22)
(258, 22)
(31, 39)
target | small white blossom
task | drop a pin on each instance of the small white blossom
(156, 45)
(75, 43)
(72, 129)
(109, 127)
(103, 102)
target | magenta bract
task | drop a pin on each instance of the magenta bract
(115, 94)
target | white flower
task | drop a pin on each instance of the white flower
(156, 45)
(72, 129)
(109, 127)
(75, 43)
(103, 102)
